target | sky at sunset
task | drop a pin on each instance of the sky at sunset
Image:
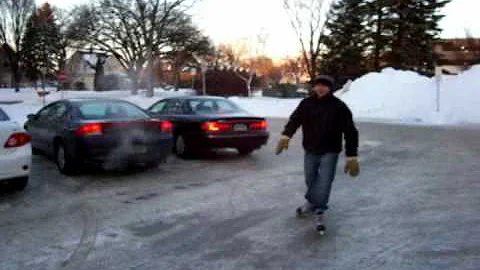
(232, 21)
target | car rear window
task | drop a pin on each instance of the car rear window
(3, 116)
(96, 110)
(209, 106)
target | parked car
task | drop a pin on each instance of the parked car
(15, 152)
(106, 132)
(202, 123)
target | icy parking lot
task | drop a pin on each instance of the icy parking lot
(415, 206)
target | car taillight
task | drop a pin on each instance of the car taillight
(259, 125)
(166, 126)
(90, 129)
(215, 126)
(17, 139)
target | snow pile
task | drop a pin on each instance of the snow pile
(393, 95)
(407, 96)
(460, 97)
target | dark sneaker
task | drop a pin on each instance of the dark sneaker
(304, 210)
(319, 222)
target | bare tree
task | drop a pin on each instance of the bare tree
(70, 38)
(307, 20)
(13, 22)
(251, 69)
(187, 44)
(135, 32)
(293, 69)
(236, 58)
(243, 58)
(267, 72)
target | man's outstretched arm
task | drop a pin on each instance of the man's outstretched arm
(294, 122)
(351, 145)
(351, 135)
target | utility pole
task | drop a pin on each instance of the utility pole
(204, 79)
(193, 72)
(204, 69)
(438, 80)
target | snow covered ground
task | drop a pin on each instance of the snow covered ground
(267, 106)
(387, 96)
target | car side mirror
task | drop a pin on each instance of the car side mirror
(32, 117)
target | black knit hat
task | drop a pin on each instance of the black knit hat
(325, 80)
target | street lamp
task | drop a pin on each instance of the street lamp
(203, 69)
(92, 58)
(95, 61)
(204, 78)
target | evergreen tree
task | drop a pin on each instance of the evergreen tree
(401, 32)
(41, 45)
(380, 35)
(14, 15)
(346, 40)
(415, 28)
(29, 57)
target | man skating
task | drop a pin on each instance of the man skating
(325, 120)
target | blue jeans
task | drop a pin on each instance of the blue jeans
(319, 175)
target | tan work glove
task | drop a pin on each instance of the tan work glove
(352, 167)
(282, 144)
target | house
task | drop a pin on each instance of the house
(455, 55)
(81, 76)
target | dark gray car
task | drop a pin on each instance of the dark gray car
(105, 132)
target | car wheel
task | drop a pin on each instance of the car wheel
(152, 164)
(245, 151)
(181, 148)
(20, 183)
(65, 163)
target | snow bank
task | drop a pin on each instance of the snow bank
(267, 107)
(392, 95)
(31, 103)
(407, 96)
(460, 97)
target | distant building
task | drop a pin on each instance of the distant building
(164, 72)
(81, 76)
(455, 55)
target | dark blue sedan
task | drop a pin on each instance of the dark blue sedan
(106, 132)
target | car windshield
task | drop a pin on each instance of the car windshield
(3, 116)
(95, 110)
(212, 106)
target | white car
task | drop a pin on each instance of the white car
(15, 152)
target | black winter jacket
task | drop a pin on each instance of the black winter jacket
(323, 122)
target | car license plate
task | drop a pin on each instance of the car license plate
(240, 127)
